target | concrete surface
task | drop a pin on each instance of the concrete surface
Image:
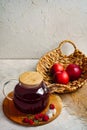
(30, 28)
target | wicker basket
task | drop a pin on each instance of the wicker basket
(56, 55)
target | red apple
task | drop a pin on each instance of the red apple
(56, 67)
(74, 71)
(61, 77)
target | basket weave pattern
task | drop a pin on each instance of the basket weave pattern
(56, 55)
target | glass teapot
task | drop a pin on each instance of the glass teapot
(30, 95)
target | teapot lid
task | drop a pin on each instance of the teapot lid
(31, 78)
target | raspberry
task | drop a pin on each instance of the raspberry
(41, 115)
(45, 118)
(51, 106)
(31, 122)
(26, 120)
(36, 117)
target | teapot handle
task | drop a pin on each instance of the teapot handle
(5, 85)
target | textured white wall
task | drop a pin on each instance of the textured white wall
(30, 28)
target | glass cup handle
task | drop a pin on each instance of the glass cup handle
(4, 86)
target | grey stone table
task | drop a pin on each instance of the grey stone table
(74, 112)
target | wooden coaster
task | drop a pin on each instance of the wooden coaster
(16, 116)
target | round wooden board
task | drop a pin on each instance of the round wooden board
(16, 116)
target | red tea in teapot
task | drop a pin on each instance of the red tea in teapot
(31, 94)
